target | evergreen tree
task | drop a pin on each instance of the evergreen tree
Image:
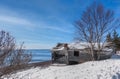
(115, 35)
(109, 38)
(116, 40)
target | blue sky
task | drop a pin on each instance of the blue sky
(43, 23)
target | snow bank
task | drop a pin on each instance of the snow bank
(106, 69)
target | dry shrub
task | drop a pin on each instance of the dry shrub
(11, 57)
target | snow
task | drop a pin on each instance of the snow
(58, 49)
(82, 45)
(106, 69)
(78, 45)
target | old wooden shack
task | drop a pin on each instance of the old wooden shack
(64, 54)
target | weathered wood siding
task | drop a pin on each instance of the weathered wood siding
(83, 56)
(67, 56)
(60, 56)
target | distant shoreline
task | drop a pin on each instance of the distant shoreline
(36, 49)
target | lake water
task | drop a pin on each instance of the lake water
(39, 55)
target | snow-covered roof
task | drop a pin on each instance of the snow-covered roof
(77, 45)
(80, 45)
(57, 49)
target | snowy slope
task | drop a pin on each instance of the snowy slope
(106, 69)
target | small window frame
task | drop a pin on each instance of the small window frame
(76, 53)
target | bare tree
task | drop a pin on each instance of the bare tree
(95, 23)
(7, 46)
(19, 57)
(11, 57)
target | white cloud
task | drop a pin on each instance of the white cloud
(10, 19)
(14, 20)
(9, 16)
(65, 30)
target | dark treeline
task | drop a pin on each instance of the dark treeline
(114, 38)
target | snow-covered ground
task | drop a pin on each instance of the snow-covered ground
(106, 69)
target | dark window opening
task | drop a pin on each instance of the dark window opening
(76, 53)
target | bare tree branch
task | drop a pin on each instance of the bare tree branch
(94, 25)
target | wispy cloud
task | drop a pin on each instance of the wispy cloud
(9, 16)
(37, 29)
(56, 28)
(15, 20)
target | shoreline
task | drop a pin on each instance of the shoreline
(41, 64)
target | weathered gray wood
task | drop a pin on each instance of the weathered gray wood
(66, 56)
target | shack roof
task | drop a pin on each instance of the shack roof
(79, 45)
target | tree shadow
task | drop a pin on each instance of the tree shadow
(115, 56)
(117, 76)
